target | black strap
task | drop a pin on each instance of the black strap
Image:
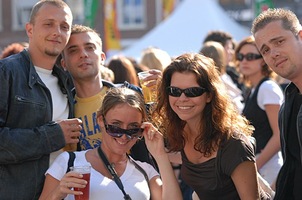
(70, 161)
(113, 173)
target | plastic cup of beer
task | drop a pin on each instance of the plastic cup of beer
(148, 92)
(85, 171)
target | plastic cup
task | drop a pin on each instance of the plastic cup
(148, 92)
(85, 171)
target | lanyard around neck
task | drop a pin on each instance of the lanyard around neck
(113, 173)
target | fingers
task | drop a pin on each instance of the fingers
(71, 129)
(151, 131)
(72, 180)
(152, 79)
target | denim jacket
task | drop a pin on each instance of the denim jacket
(284, 116)
(27, 133)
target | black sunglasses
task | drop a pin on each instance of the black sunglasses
(189, 92)
(115, 131)
(248, 56)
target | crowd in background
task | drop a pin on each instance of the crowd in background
(213, 132)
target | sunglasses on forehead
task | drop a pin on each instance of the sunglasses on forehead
(189, 92)
(248, 56)
(117, 132)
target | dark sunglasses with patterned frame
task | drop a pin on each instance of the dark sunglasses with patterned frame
(117, 132)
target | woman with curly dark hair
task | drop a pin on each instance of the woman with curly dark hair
(199, 119)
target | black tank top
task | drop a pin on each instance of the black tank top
(258, 118)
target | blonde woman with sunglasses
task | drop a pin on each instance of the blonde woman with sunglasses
(122, 120)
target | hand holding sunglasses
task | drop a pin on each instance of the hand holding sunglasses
(189, 92)
(248, 56)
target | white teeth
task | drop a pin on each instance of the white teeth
(120, 142)
(184, 107)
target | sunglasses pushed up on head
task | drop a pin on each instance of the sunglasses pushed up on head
(117, 132)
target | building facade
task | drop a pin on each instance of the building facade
(130, 19)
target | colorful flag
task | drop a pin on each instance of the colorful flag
(90, 11)
(168, 7)
(262, 5)
(111, 32)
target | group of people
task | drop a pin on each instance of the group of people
(48, 108)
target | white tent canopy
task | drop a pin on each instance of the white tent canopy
(184, 30)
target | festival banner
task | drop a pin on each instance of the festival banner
(111, 32)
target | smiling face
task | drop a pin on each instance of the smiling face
(49, 32)
(281, 50)
(83, 56)
(125, 117)
(187, 108)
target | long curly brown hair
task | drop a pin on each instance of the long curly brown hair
(220, 119)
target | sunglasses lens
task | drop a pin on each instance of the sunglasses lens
(240, 57)
(114, 131)
(189, 92)
(250, 56)
(174, 92)
(194, 91)
(118, 132)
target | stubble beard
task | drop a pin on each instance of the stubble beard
(53, 53)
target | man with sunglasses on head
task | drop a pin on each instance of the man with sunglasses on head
(261, 107)
(278, 36)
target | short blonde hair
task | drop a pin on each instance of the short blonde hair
(155, 58)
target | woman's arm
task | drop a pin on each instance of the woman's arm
(273, 145)
(245, 179)
(167, 187)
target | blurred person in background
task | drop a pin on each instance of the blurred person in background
(216, 51)
(261, 107)
(13, 48)
(138, 66)
(155, 58)
(123, 70)
(227, 41)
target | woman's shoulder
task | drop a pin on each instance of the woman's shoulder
(270, 93)
(236, 150)
(239, 143)
(148, 169)
(270, 85)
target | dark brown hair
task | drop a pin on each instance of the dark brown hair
(220, 118)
